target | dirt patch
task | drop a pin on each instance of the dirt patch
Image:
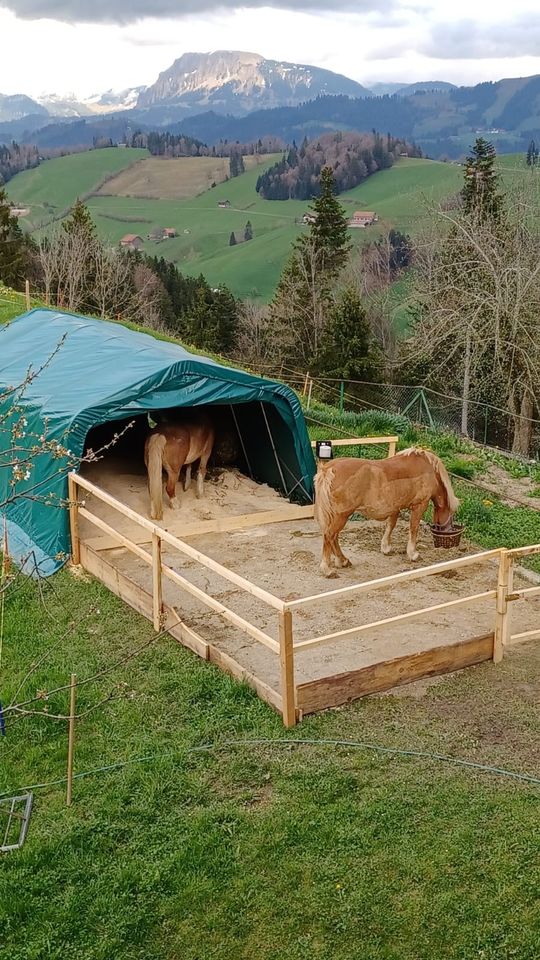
(510, 490)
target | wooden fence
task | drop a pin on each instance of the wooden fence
(293, 700)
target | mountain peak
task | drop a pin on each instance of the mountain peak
(238, 81)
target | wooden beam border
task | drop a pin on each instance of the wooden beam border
(379, 677)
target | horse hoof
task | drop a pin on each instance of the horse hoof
(328, 572)
(344, 562)
(414, 556)
(386, 551)
(174, 504)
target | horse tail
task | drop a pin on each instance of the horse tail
(453, 502)
(324, 507)
(154, 465)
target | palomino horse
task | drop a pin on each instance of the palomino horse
(171, 446)
(380, 489)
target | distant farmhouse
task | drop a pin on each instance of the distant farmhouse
(224, 203)
(309, 218)
(162, 233)
(19, 211)
(131, 241)
(363, 218)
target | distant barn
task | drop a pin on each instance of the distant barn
(131, 241)
(363, 218)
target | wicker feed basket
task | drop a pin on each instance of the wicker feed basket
(446, 538)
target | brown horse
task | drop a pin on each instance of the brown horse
(171, 446)
(380, 489)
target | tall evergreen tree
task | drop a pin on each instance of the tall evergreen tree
(232, 239)
(248, 231)
(481, 197)
(80, 221)
(532, 154)
(329, 231)
(348, 350)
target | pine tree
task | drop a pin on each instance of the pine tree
(481, 197)
(348, 351)
(80, 220)
(330, 232)
(532, 154)
(14, 246)
(232, 239)
(248, 231)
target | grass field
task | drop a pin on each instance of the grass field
(251, 269)
(266, 851)
(172, 178)
(401, 196)
(50, 189)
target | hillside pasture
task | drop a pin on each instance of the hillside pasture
(170, 196)
(52, 188)
(173, 178)
(400, 196)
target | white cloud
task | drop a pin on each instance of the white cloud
(403, 40)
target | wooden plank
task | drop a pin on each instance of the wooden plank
(113, 502)
(521, 637)
(157, 585)
(396, 578)
(326, 638)
(119, 537)
(136, 596)
(525, 551)
(126, 589)
(502, 614)
(524, 594)
(230, 665)
(341, 688)
(221, 525)
(186, 635)
(179, 545)
(358, 441)
(220, 608)
(286, 658)
(74, 520)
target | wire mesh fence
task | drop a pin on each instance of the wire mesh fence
(487, 424)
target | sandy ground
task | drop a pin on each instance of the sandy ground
(283, 558)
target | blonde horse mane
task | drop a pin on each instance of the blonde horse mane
(440, 470)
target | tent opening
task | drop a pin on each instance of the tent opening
(250, 437)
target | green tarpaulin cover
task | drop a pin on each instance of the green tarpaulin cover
(86, 372)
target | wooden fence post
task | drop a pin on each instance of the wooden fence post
(27, 293)
(71, 737)
(286, 656)
(308, 404)
(306, 381)
(392, 448)
(157, 582)
(74, 520)
(504, 587)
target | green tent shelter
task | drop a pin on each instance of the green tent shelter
(63, 375)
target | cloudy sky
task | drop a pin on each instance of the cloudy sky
(88, 46)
